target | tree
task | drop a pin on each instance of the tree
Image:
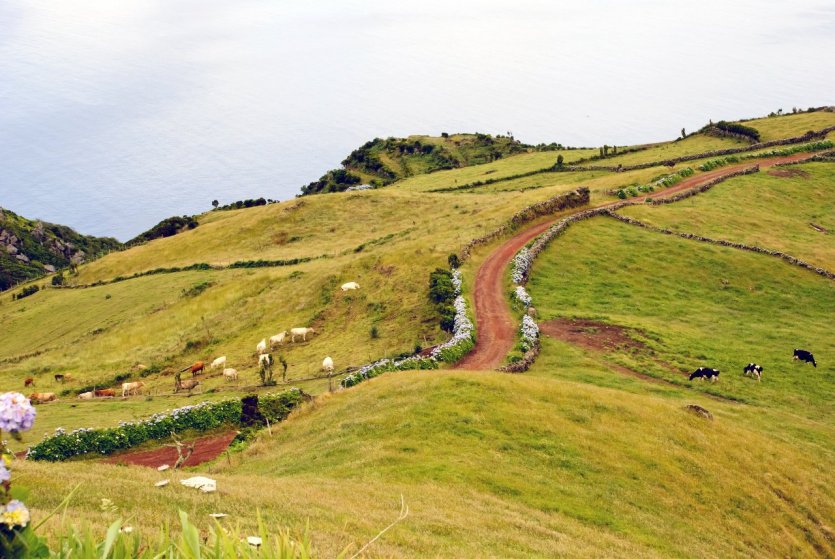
(605, 150)
(683, 133)
(560, 160)
(215, 204)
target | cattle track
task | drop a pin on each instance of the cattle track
(495, 323)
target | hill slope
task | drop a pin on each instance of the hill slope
(30, 249)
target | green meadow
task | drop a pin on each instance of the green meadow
(588, 454)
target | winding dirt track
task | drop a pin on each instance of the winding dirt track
(496, 326)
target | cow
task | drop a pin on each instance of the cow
(327, 365)
(805, 356)
(303, 332)
(351, 285)
(230, 374)
(261, 347)
(129, 388)
(754, 370)
(277, 339)
(219, 362)
(29, 382)
(105, 393)
(42, 397)
(188, 384)
(86, 396)
(705, 372)
(196, 367)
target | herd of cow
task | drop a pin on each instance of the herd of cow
(756, 371)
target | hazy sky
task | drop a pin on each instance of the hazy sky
(116, 114)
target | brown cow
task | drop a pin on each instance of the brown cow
(188, 384)
(29, 382)
(42, 397)
(197, 367)
(105, 393)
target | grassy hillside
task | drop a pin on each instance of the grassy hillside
(591, 453)
(584, 471)
(774, 210)
(379, 162)
(31, 249)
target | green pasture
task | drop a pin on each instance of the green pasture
(791, 125)
(774, 209)
(698, 305)
(583, 471)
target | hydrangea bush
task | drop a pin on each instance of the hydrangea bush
(200, 417)
(17, 538)
(521, 265)
(522, 296)
(529, 332)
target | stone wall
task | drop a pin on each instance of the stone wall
(704, 187)
(751, 248)
(573, 199)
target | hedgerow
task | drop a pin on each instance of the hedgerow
(205, 416)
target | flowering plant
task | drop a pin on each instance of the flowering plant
(17, 539)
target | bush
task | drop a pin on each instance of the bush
(27, 291)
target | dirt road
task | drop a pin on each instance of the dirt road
(496, 325)
(205, 449)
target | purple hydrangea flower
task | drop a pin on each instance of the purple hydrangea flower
(16, 413)
(5, 474)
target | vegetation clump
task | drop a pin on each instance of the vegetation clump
(166, 228)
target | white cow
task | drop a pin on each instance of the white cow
(86, 396)
(277, 339)
(261, 347)
(219, 362)
(327, 365)
(303, 332)
(129, 388)
(350, 285)
(230, 374)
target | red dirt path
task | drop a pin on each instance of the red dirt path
(496, 326)
(205, 449)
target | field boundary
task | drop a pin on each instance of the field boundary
(721, 242)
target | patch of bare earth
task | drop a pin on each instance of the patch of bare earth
(205, 449)
(789, 173)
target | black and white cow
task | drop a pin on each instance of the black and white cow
(705, 372)
(805, 356)
(754, 370)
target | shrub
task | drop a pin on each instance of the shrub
(27, 291)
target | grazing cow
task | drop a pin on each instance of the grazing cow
(805, 356)
(277, 339)
(29, 382)
(219, 362)
(188, 384)
(230, 374)
(261, 348)
(350, 286)
(195, 368)
(129, 388)
(754, 370)
(86, 396)
(327, 365)
(303, 332)
(42, 397)
(705, 372)
(105, 393)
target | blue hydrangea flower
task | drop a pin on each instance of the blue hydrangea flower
(16, 412)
